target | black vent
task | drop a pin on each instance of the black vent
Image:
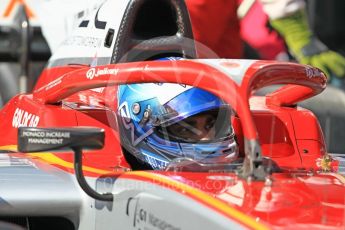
(155, 19)
(154, 28)
(40, 223)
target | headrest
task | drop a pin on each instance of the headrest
(152, 29)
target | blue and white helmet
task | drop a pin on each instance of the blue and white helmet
(155, 124)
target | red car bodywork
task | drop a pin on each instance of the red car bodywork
(298, 198)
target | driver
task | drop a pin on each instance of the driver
(162, 122)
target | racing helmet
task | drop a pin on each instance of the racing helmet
(161, 122)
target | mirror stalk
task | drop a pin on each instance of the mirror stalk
(78, 168)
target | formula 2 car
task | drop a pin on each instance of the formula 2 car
(288, 190)
(282, 177)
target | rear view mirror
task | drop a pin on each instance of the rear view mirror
(77, 139)
(48, 139)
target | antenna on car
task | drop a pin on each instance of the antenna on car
(24, 30)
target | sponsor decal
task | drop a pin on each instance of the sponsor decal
(93, 72)
(154, 161)
(125, 117)
(46, 138)
(90, 74)
(312, 72)
(56, 134)
(97, 23)
(146, 219)
(327, 163)
(24, 118)
(91, 42)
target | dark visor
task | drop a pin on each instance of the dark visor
(209, 126)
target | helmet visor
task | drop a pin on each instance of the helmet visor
(206, 127)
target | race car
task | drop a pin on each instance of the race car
(274, 173)
(288, 189)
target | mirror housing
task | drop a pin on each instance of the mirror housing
(78, 138)
(48, 139)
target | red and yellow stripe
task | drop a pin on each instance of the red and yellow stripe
(51, 158)
(163, 181)
(198, 195)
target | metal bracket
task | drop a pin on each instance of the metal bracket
(253, 166)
